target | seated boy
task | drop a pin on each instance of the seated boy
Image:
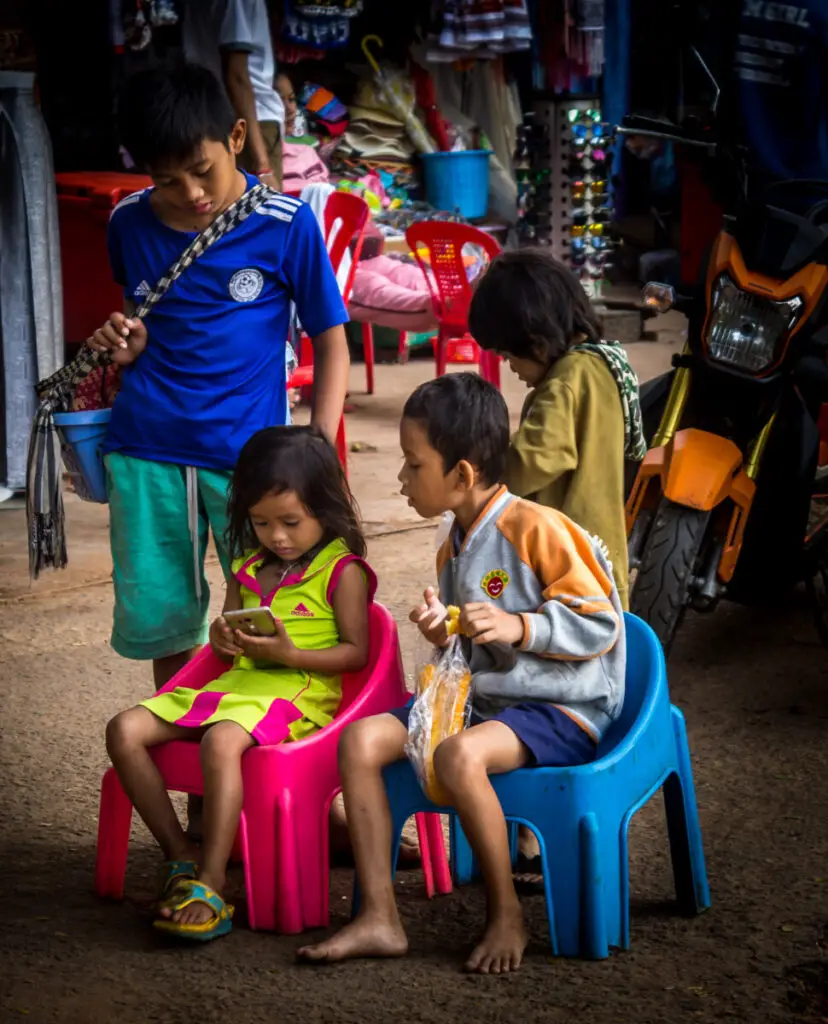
(547, 656)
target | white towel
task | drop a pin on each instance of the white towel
(316, 196)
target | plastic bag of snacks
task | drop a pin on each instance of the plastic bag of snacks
(440, 709)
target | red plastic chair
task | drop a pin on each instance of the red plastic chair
(288, 791)
(450, 290)
(345, 218)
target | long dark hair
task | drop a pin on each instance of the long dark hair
(531, 306)
(299, 459)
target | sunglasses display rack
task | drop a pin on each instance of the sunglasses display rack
(578, 211)
(533, 173)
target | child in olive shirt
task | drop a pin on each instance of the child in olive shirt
(582, 417)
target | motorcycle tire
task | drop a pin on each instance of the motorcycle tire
(661, 589)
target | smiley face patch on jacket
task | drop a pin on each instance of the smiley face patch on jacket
(495, 582)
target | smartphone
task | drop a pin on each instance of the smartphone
(252, 621)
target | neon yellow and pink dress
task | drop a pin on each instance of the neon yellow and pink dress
(274, 702)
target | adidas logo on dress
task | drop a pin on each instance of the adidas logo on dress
(143, 289)
(302, 611)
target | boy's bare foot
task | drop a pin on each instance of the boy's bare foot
(364, 937)
(500, 951)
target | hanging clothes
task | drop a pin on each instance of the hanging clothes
(479, 29)
(321, 26)
(31, 297)
(568, 43)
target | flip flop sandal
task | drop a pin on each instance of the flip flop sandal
(172, 872)
(187, 892)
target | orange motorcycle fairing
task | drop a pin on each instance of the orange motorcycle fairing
(699, 470)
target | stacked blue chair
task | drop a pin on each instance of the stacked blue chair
(581, 815)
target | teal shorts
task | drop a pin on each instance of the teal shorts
(160, 516)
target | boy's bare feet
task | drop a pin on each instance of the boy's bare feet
(365, 936)
(500, 951)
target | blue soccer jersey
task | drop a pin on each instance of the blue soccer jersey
(213, 371)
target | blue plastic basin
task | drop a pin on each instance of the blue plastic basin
(82, 435)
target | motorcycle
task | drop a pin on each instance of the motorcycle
(721, 503)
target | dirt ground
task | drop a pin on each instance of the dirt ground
(752, 686)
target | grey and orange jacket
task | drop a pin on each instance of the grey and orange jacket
(535, 562)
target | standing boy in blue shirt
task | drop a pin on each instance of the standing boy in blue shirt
(207, 369)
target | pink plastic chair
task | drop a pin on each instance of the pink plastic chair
(450, 290)
(288, 791)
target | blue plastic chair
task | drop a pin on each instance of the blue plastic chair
(581, 815)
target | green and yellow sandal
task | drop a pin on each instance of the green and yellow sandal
(186, 892)
(170, 874)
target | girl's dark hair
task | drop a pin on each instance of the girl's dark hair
(530, 306)
(165, 115)
(299, 459)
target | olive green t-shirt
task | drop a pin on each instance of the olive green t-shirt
(568, 453)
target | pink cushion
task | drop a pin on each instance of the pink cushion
(390, 293)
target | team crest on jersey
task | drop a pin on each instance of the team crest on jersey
(495, 582)
(246, 285)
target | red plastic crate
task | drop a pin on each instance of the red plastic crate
(86, 200)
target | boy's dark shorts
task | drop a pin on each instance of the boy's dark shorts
(553, 739)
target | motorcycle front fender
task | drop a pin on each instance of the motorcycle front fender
(699, 468)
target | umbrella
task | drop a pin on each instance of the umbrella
(391, 92)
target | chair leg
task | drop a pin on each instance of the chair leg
(686, 850)
(114, 821)
(437, 849)
(563, 856)
(271, 863)
(342, 445)
(490, 368)
(426, 853)
(368, 352)
(441, 353)
(463, 862)
(593, 941)
(312, 839)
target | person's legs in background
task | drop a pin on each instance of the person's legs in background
(272, 136)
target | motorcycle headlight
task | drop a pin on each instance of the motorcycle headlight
(745, 329)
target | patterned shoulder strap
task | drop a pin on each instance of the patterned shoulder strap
(626, 380)
(58, 387)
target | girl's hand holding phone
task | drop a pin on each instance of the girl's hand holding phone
(222, 640)
(278, 648)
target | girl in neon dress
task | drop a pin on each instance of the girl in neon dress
(298, 550)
